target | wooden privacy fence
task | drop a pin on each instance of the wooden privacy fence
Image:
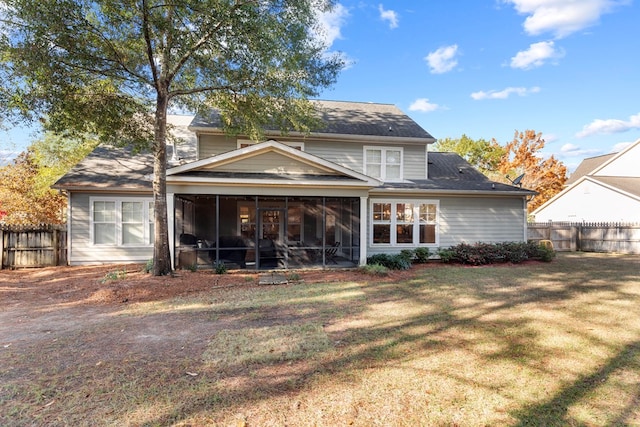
(588, 237)
(33, 246)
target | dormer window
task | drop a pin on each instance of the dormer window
(384, 163)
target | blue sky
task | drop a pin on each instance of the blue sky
(485, 68)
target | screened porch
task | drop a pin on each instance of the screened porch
(259, 232)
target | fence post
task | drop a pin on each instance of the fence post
(56, 244)
(1, 247)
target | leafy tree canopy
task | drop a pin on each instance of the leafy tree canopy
(482, 154)
(546, 176)
(113, 68)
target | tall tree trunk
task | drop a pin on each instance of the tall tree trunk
(161, 254)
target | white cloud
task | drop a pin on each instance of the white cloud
(504, 93)
(389, 15)
(423, 105)
(610, 126)
(620, 146)
(443, 59)
(536, 55)
(562, 17)
(331, 24)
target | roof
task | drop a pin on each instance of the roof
(110, 168)
(450, 172)
(587, 166)
(629, 185)
(346, 118)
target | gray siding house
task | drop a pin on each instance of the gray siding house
(365, 183)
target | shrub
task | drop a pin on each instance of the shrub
(392, 262)
(148, 266)
(375, 270)
(422, 254)
(489, 253)
(407, 254)
(220, 267)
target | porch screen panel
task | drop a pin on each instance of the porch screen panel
(104, 223)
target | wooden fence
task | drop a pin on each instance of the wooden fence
(588, 237)
(33, 246)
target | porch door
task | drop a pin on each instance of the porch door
(271, 238)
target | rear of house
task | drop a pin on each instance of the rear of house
(366, 183)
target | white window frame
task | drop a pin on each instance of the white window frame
(242, 143)
(147, 220)
(394, 222)
(383, 162)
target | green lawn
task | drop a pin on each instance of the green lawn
(534, 344)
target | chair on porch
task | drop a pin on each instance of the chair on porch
(331, 252)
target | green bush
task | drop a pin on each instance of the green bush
(375, 270)
(407, 254)
(422, 254)
(220, 267)
(148, 267)
(490, 253)
(392, 262)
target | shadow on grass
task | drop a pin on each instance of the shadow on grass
(554, 412)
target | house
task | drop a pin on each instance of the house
(366, 183)
(602, 189)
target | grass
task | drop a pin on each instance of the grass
(551, 344)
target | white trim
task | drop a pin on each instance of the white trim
(247, 142)
(393, 222)
(364, 235)
(118, 221)
(383, 161)
(269, 146)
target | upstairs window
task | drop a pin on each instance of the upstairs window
(384, 163)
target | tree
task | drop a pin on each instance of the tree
(546, 176)
(114, 67)
(482, 154)
(24, 202)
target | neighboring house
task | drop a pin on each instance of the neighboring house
(363, 184)
(602, 189)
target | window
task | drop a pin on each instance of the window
(126, 222)
(383, 163)
(396, 222)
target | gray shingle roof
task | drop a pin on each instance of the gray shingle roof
(349, 118)
(629, 185)
(110, 168)
(587, 166)
(450, 172)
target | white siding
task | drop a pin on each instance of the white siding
(212, 145)
(271, 162)
(625, 165)
(82, 251)
(590, 201)
(478, 219)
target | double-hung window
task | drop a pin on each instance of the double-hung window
(404, 223)
(127, 222)
(384, 163)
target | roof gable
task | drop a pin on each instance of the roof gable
(270, 158)
(623, 164)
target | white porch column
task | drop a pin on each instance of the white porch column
(364, 233)
(171, 223)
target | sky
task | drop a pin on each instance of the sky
(569, 69)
